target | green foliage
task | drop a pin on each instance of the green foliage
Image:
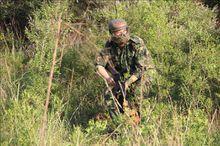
(22, 118)
(182, 39)
(81, 83)
(14, 16)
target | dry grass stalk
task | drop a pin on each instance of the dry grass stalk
(44, 118)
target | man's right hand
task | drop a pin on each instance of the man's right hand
(111, 81)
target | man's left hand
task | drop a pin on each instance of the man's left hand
(130, 81)
(126, 85)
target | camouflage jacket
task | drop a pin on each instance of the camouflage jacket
(132, 59)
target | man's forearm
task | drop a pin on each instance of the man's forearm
(102, 71)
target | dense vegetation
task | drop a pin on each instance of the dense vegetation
(181, 109)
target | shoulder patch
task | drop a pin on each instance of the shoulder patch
(136, 39)
(137, 43)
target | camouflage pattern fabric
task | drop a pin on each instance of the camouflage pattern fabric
(122, 63)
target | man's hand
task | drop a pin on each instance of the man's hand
(111, 81)
(130, 81)
(104, 74)
(126, 86)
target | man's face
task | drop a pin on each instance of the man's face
(120, 37)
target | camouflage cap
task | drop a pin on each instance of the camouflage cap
(117, 24)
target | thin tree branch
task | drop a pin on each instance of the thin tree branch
(44, 119)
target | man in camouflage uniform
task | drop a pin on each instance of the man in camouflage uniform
(127, 67)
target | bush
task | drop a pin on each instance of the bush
(184, 44)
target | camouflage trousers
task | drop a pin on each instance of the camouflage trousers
(117, 103)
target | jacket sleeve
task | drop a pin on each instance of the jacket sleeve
(102, 58)
(144, 63)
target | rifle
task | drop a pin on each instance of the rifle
(116, 91)
(119, 92)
